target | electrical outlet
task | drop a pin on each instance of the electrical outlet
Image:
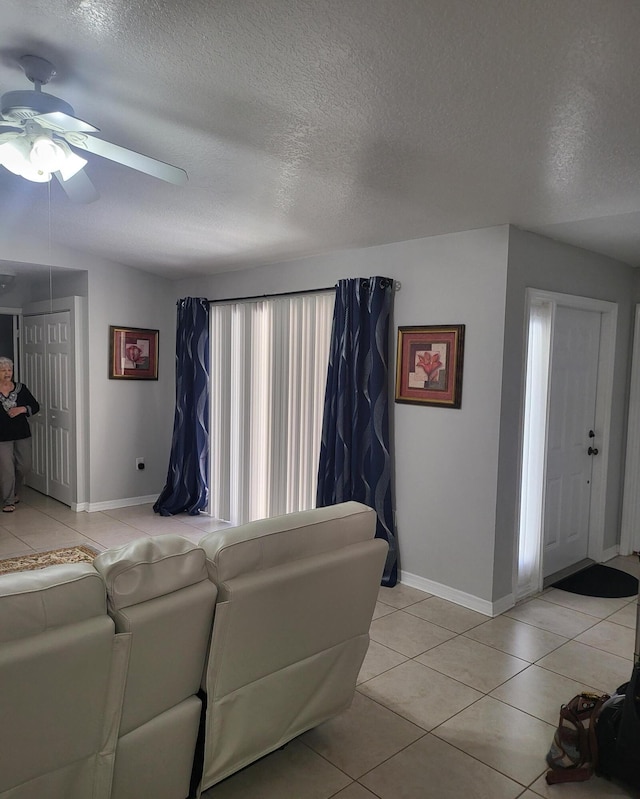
(140, 464)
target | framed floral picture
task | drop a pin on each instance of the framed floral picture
(133, 353)
(429, 365)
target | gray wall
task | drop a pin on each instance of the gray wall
(125, 419)
(445, 460)
(636, 286)
(456, 470)
(67, 283)
(129, 418)
(538, 262)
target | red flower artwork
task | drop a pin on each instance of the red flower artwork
(430, 363)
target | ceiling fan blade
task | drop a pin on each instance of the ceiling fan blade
(60, 122)
(79, 188)
(150, 166)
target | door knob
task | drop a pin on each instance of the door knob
(592, 451)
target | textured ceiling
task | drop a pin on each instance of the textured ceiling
(312, 125)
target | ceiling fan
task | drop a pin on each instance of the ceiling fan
(42, 135)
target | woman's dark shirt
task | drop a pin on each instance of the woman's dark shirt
(18, 427)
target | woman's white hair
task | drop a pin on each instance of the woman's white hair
(4, 360)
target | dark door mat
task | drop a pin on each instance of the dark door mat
(599, 580)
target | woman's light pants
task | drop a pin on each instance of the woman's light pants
(15, 465)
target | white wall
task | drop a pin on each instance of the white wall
(456, 470)
(636, 286)
(67, 283)
(126, 418)
(538, 262)
(446, 460)
(129, 418)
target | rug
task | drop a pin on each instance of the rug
(599, 580)
(40, 560)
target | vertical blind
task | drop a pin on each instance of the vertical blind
(268, 373)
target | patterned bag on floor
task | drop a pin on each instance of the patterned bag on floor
(574, 752)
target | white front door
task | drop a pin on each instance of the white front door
(47, 349)
(571, 435)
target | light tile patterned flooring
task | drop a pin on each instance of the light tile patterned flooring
(450, 704)
(40, 523)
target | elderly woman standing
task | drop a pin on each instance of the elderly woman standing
(18, 403)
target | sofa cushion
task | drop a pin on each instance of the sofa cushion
(62, 672)
(44, 599)
(266, 543)
(277, 617)
(150, 567)
(296, 594)
(169, 640)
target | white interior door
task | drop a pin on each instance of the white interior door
(571, 441)
(33, 376)
(48, 372)
(59, 405)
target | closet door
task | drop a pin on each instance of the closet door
(59, 375)
(33, 376)
(47, 349)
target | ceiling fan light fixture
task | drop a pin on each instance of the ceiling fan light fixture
(43, 126)
(34, 174)
(46, 154)
(36, 159)
(72, 163)
(14, 155)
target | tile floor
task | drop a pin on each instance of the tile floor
(450, 704)
(40, 523)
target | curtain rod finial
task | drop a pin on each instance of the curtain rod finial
(397, 285)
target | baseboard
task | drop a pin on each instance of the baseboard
(458, 597)
(612, 552)
(111, 504)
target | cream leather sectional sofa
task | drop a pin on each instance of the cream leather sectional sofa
(167, 666)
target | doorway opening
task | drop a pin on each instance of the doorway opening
(8, 326)
(553, 323)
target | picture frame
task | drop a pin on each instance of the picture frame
(133, 353)
(429, 365)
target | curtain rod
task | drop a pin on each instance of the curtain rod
(271, 296)
(396, 287)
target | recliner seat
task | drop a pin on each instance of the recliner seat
(61, 682)
(296, 595)
(159, 594)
